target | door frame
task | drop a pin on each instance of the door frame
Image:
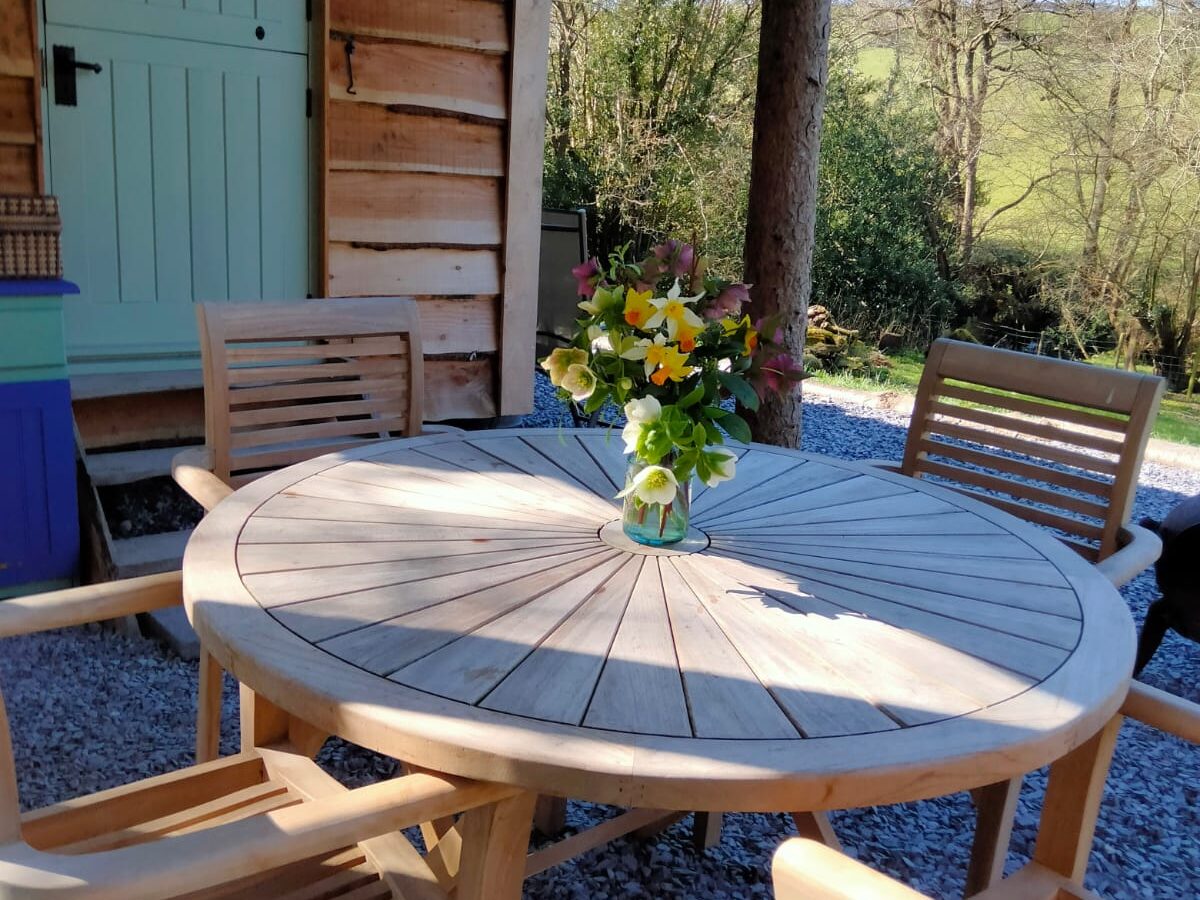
(315, 51)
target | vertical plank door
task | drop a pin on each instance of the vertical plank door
(183, 168)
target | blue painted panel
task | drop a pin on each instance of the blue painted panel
(36, 287)
(39, 518)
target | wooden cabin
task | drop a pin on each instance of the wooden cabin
(242, 150)
(278, 149)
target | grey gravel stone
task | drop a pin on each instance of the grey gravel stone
(91, 709)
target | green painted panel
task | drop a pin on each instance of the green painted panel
(31, 339)
(206, 196)
(135, 186)
(172, 189)
(242, 186)
(232, 22)
(206, 127)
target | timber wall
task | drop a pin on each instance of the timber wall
(20, 107)
(430, 174)
(432, 184)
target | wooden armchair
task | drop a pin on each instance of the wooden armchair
(265, 822)
(286, 382)
(1078, 431)
(805, 869)
(1054, 442)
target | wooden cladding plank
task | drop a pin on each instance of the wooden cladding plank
(459, 389)
(369, 136)
(17, 55)
(18, 169)
(365, 271)
(466, 325)
(478, 24)
(522, 244)
(413, 208)
(413, 75)
(17, 120)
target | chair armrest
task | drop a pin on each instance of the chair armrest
(804, 869)
(441, 429)
(91, 603)
(1163, 711)
(1140, 549)
(224, 853)
(889, 465)
(192, 471)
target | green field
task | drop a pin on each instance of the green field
(1178, 418)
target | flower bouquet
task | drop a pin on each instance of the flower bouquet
(670, 344)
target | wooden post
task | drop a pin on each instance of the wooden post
(1195, 371)
(792, 71)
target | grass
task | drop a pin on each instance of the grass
(1178, 418)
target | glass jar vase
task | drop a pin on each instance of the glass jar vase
(655, 524)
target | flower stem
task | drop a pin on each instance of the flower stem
(662, 522)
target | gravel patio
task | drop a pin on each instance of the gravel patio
(92, 709)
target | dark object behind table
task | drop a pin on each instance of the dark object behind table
(1178, 573)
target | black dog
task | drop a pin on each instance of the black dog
(1178, 573)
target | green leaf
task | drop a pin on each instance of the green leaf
(740, 388)
(692, 397)
(736, 427)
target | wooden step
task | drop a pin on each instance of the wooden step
(149, 554)
(123, 384)
(127, 466)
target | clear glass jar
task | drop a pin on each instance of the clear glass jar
(655, 524)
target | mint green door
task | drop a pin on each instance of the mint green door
(183, 168)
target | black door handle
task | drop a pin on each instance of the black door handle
(65, 67)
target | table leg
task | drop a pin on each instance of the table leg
(1073, 797)
(816, 827)
(495, 842)
(995, 808)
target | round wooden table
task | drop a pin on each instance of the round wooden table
(831, 635)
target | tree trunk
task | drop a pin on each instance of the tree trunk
(792, 70)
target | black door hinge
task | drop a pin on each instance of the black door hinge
(308, 9)
(308, 102)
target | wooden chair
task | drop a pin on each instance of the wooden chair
(805, 869)
(1078, 431)
(1054, 442)
(265, 822)
(286, 382)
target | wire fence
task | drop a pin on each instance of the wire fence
(1180, 371)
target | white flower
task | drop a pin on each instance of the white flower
(654, 484)
(579, 381)
(648, 409)
(630, 435)
(722, 462)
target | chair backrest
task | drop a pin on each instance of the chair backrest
(1054, 442)
(10, 805)
(284, 382)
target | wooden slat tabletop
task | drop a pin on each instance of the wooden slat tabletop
(830, 634)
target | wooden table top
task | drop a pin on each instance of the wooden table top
(831, 635)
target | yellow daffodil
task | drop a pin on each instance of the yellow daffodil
(638, 309)
(684, 334)
(561, 359)
(751, 336)
(673, 310)
(664, 361)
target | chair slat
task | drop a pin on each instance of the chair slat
(1094, 486)
(379, 404)
(275, 458)
(1024, 426)
(291, 434)
(392, 345)
(373, 366)
(1034, 408)
(1018, 489)
(1073, 458)
(316, 389)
